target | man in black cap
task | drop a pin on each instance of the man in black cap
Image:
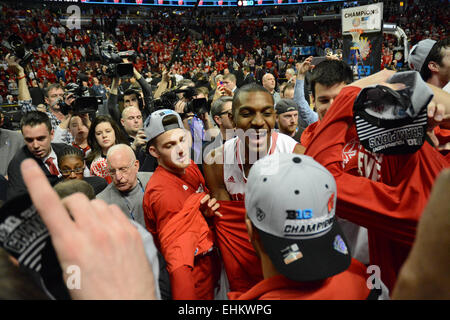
(287, 119)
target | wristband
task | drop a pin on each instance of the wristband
(20, 78)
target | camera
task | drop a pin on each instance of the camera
(197, 106)
(83, 103)
(16, 45)
(112, 58)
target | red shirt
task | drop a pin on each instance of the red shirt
(308, 133)
(389, 195)
(171, 212)
(347, 285)
(242, 265)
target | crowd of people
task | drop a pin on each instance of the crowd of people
(213, 44)
(226, 167)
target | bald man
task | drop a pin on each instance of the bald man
(269, 82)
(127, 189)
(132, 123)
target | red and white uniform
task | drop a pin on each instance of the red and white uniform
(232, 166)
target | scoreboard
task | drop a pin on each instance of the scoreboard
(192, 3)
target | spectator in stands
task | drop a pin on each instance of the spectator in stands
(248, 77)
(268, 82)
(287, 119)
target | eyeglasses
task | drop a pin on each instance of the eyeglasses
(68, 172)
(123, 170)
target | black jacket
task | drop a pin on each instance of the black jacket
(16, 185)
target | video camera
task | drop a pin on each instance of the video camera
(195, 106)
(112, 58)
(83, 103)
(16, 45)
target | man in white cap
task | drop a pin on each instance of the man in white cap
(174, 204)
(303, 251)
(432, 59)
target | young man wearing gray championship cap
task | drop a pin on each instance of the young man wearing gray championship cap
(174, 203)
(303, 252)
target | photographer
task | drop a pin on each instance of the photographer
(52, 96)
(140, 99)
(194, 108)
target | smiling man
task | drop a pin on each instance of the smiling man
(38, 134)
(327, 80)
(226, 176)
(254, 116)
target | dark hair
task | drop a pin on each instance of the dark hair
(69, 151)
(248, 88)
(329, 73)
(131, 91)
(92, 140)
(34, 118)
(434, 55)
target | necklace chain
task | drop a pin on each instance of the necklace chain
(240, 160)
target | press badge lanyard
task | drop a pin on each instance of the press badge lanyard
(128, 202)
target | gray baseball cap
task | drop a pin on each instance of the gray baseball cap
(291, 200)
(419, 54)
(153, 125)
(286, 105)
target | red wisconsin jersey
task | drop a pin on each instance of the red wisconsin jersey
(242, 265)
(171, 212)
(390, 201)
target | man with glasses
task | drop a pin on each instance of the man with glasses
(222, 116)
(127, 189)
